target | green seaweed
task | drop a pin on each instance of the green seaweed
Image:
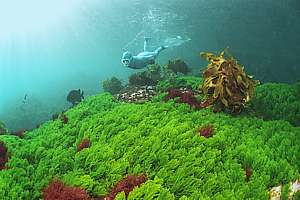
(152, 189)
(190, 82)
(296, 196)
(274, 101)
(158, 139)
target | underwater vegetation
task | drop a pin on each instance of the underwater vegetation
(64, 119)
(226, 85)
(159, 139)
(126, 185)
(3, 129)
(112, 85)
(248, 173)
(184, 96)
(189, 82)
(178, 66)
(140, 79)
(298, 88)
(156, 73)
(151, 76)
(3, 155)
(142, 85)
(170, 146)
(206, 131)
(274, 101)
(58, 190)
(85, 143)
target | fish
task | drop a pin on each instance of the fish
(24, 99)
(75, 96)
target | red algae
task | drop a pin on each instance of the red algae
(206, 131)
(3, 155)
(57, 190)
(190, 99)
(64, 119)
(248, 173)
(185, 96)
(85, 143)
(126, 185)
(173, 93)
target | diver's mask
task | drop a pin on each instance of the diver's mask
(125, 62)
(126, 58)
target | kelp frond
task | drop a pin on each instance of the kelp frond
(225, 82)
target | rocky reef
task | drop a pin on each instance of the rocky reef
(163, 141)
(137, 94)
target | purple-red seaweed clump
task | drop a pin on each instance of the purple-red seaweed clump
(85, 143)
(64, 119)
(185, 96)
(173, 93)
(3, 155)
(206, 131)
(126, 185)
(248, 173)
(190, 99)
(57, 190)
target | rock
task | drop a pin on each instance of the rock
(136, 94)
(275, 192)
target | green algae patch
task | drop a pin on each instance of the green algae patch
(274, 101)
(158, 139)
(191, 82)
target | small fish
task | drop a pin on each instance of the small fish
(24, 99)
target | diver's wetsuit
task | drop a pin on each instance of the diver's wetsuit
(142, 59)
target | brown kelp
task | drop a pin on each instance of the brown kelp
(226, 85)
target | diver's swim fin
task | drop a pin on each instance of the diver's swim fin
(147, 39)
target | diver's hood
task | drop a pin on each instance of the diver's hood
(127, 55)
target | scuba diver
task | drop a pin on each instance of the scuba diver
(142, 59)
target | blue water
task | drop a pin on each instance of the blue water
(48, 48)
